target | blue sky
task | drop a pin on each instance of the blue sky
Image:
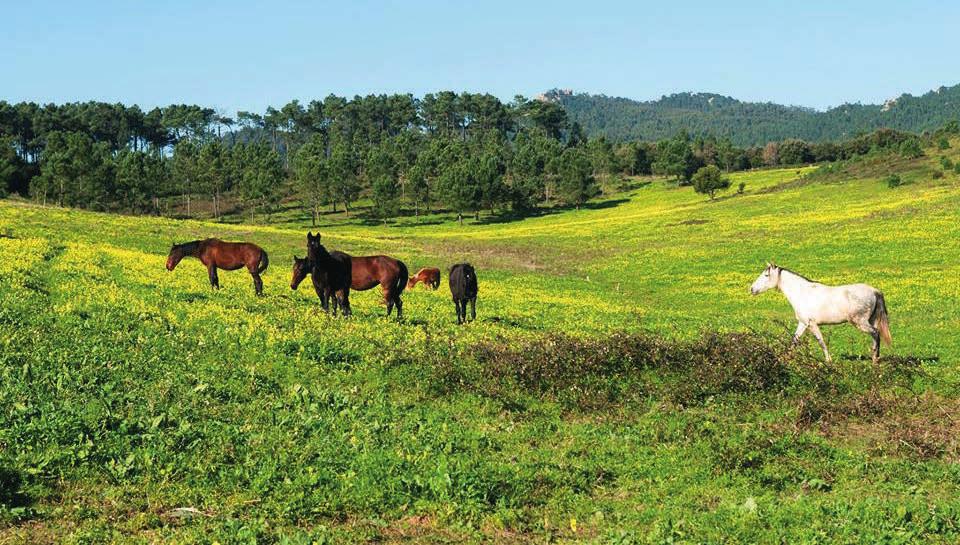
(247, 55)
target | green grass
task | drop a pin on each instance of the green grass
(127, 392)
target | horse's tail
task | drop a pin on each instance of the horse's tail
(881, 320)
(264, 262)
(402, 278)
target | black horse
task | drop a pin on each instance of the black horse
(463, 286)
(330, 272)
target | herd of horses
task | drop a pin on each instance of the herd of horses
(335, 273)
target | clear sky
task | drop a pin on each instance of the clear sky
(242, 54)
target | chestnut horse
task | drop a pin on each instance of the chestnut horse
(330, 272)
(217, 254)
(428, 276)
(376, 270)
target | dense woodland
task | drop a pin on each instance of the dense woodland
(752, 123)
(463, 153)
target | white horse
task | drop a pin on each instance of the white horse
(815, 304)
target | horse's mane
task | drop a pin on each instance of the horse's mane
(794, 273)
(322, 255)
(188, 248)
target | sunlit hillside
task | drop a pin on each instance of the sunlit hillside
(137, 404)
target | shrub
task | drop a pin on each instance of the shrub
(708, 180)
(594, 373)
(911, 148)
(937, 174)
(943, 143)
(956, 168)
(894, 180)
(740, 187)
(946, 163)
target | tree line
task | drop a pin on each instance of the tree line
(464, 153)
(752, 123)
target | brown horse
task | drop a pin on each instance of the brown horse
(217, 254)
(428, 276)
(376, 270)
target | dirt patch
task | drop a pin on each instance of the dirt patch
(924, 427)
(504, 256)
(693, 221)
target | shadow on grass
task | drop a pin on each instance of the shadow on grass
(511, 216)
(11, 489)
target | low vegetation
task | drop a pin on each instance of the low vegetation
(618, 386)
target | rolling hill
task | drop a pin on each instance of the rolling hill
(620, 385)
(751, 123)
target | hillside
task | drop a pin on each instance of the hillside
(752, 123)
(619, 384)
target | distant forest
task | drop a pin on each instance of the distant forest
(463, 153)
(751, 123)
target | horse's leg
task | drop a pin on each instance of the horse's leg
(473, 310)
(214, 280)
(457, 303)
(257, 284)
(321, 292)
(388, 298)
(815, 329)
(867, 327)
(399, 304)
(801, 327)
(344, 296)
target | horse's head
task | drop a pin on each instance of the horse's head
(313, 240)
(315, 250)
(301, 267)
(175, 256)
(768, 279)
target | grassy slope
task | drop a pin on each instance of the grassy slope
(129, 391)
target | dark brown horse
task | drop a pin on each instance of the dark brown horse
(463, 287)
(428, 276)
(330, 272)
(376, 270)
(217, 254)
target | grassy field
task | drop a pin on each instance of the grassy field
(607, 393)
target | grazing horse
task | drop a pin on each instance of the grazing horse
(217, 254)
(463, 287)
(428, 276)
(330, 272)
(376, 270)
(815, 304)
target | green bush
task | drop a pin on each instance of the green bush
(894, 180)
(946, 163)
(911, 148)
(943, 143)
(708, 180)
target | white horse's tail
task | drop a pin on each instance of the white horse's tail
(880, 319)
